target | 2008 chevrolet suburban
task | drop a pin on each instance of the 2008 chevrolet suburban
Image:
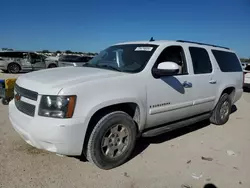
(129, 90)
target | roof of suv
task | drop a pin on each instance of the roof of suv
(160, 42)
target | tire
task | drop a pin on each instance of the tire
(105, 126)
(5, 101)
(224, 106)
(52, 66)
(14, 68)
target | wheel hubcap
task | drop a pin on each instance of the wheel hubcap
(224, 111)
(115, 141)
(14, 68)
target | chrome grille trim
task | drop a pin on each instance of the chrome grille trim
(32, 95)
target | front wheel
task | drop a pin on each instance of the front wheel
(222, 111)
(14, 68)
(112, 140)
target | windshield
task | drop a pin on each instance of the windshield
(125, 58)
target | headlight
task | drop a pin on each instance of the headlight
(57, 106)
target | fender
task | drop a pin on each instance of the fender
(92, 109)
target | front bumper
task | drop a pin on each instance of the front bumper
(62, 136)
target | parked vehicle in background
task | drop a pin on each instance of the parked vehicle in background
(16, 61)
(247, 77)
(243, 64)
(73, 60)
(129, 90)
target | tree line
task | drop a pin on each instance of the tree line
(67, 52)
(245, 60)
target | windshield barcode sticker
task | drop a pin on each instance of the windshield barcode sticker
(148, 49)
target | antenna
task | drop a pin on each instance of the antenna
(152, 39)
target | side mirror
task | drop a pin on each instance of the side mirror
(165, 69)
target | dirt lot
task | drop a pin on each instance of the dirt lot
(171, 160)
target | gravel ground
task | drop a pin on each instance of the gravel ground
(194, 157)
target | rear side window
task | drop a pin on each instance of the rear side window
(68, 58)
(3, 54)
(12, 54)
(228, 61)
(201, 60)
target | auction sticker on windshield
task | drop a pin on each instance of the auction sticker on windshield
(146, 48)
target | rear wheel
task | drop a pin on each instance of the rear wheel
(112, 140)
(222, 111)
(13, 68)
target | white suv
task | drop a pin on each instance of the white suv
(129, 90)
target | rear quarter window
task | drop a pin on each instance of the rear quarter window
(227, 61)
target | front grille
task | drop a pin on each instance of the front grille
(32, 95)
(26, 108)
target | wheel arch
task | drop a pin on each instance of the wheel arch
(230, 90)
(132, 108)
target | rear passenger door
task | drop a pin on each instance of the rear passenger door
(205, 84)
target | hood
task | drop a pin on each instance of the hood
(51, 81)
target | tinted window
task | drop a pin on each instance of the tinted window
(11, 54)
(82, 59)
(247, 68)
(3, 54)
(35, 56)
(201, 60)
(69, 58)
(228, 61)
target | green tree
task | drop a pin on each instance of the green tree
(245, 60)
(45, 51)
(68, 52)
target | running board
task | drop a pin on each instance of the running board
(175, 125)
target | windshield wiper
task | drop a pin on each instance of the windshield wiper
(101, 66)
(109, 67)
(88, 65)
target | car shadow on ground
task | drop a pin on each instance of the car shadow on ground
(210, 185)
(143, 143)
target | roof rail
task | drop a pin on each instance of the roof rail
(203, 44)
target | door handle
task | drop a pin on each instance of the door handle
(212, 81)
(187, 84)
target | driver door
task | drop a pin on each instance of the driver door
(169, 98)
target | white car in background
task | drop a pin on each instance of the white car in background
(247, 77)
(73, 60)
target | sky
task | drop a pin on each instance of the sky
(91, 26)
